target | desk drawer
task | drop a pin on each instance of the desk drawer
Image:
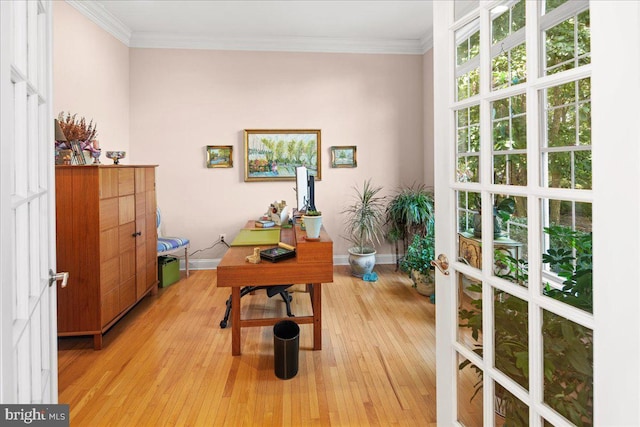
(320, 251)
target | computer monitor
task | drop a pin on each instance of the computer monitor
(305, 190)
(302, 189)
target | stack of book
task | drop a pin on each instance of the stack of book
(264, 223)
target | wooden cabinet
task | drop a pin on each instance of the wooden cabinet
(107, 241)
(470, 252)
(470, 248)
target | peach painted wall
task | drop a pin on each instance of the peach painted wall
(164, 106)
(183, 100)
(91, 76)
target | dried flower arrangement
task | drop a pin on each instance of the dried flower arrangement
(77, 130)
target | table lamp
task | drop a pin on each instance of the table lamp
(60, 137)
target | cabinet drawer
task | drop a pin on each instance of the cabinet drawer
(108, 214)
(152, 273)
(126, 181)
(109, 247)
(108, 183)
(109, 275)
(140, 180)
(110, 307)
(150, 178)
(126, 209)
(127, 265)
(127, 293)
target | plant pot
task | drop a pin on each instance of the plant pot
(477, 226)
(500, 406)
(312, 224)
(362, 263)
(424, 284)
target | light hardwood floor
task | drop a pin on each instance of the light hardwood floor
(168, 362)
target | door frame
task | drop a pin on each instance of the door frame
(616, 153)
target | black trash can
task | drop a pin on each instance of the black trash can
(286, 345)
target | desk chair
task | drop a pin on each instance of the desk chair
(170, 245)
(271, 291)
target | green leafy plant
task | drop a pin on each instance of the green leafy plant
(510, 268)
(567, 346)
(572, 260)
(419, 255)
(364, 218)
(313, 213)
(505, 208)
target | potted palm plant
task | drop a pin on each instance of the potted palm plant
(363, 227)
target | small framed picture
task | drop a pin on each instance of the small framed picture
(344, 156)
(219, 156)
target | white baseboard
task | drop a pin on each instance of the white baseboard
(212, 264)
(201, 264)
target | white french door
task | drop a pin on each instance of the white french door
(28, 346)
(536, 176)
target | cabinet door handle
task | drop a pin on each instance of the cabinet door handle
(139, 233)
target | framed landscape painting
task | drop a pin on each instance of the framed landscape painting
(219, 156)
(344, 156)
(273, 155)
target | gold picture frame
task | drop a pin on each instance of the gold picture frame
(219, 156)
(274, 154)
(344, 156)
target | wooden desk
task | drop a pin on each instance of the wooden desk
(313, 265)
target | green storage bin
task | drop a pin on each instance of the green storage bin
(168, 270)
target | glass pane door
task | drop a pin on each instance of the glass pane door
(519, 140)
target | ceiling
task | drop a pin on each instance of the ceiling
(318, 26)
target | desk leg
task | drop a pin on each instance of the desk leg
(316, 304)
(235, 321)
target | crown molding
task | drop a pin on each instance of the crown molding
(104, 19)
(98, 14)
(426, 43)
(282, 44)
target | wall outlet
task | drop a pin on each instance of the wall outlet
(222, 237)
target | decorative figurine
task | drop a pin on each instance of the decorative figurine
(278, 212)
(255, 258)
